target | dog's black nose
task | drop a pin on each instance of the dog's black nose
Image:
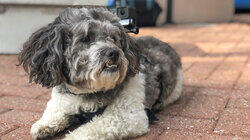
(113, 55)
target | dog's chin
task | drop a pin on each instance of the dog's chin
(103, 77)
(108, 77)
(107, 80)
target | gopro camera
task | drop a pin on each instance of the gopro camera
(127, 15)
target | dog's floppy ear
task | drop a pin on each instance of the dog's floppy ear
(42, 55)
(132, 52)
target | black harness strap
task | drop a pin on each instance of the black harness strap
(85, 117)
(151, 116)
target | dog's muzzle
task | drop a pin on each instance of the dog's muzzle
(112, 63)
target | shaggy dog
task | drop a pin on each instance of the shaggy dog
(100, 76)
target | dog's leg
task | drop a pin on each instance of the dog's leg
(118, 121)
(56, 116)
(124, 118)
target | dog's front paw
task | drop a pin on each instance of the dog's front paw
(40, 131)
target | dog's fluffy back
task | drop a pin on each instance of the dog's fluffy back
(163, 70)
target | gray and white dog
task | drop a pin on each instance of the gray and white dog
(100, 75)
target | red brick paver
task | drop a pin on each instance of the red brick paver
(186, 124)
(234, 122)
(204, 106)
(45, 96)
(6, 128)
(19, 117)
(239, 103)
(180, 135)
(22, 91)
(22, 133)
(215, 102)
(2, 110)
(20, 103)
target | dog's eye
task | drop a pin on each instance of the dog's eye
(85, 39)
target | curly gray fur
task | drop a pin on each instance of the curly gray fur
(50, 53)
(62, 53)
(160, 64)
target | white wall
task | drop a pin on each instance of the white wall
(17, 23)
(22, 17)
(191, 11)
(56, 2)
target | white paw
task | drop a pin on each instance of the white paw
(40, 131)
(69, 137)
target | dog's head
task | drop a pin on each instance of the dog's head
(87, 49)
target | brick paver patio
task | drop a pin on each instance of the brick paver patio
(216, 99)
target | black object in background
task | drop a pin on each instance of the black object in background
(145, 16)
